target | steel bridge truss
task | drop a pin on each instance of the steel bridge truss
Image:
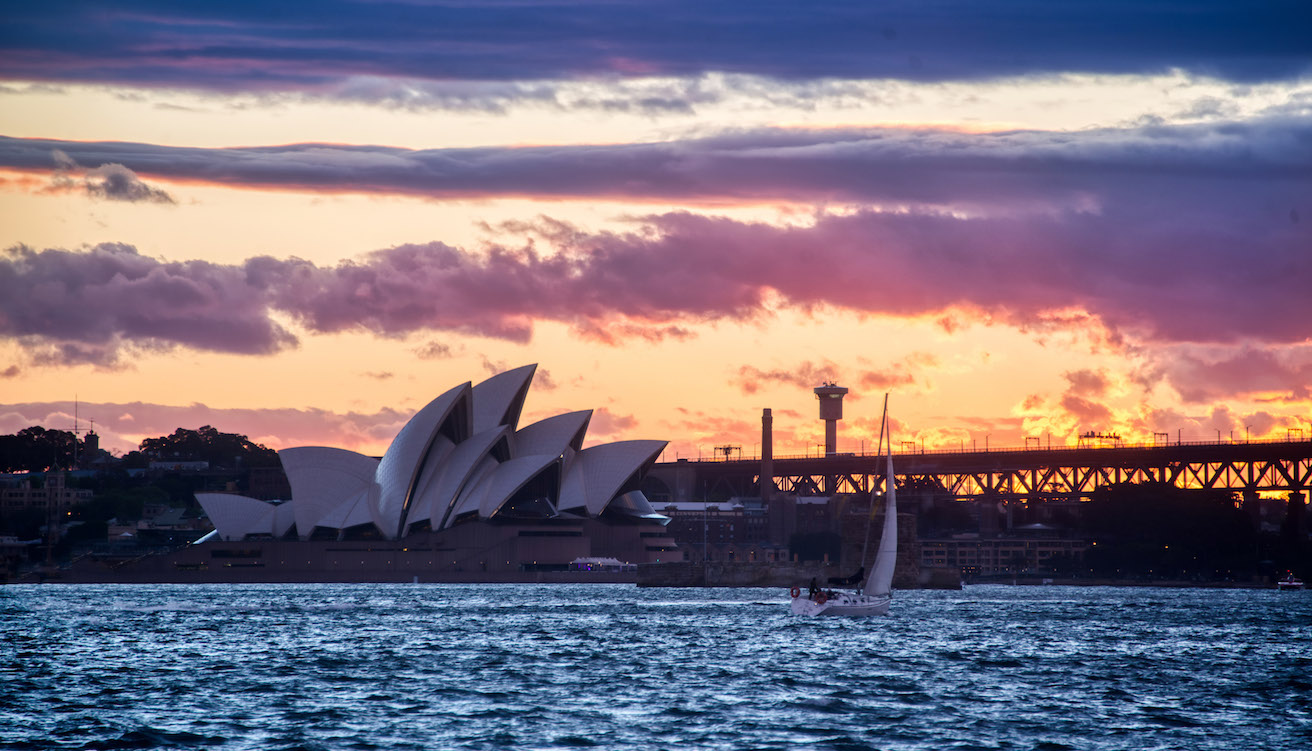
(1075, 482)
(1055, 475)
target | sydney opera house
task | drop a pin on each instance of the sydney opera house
(462, 493)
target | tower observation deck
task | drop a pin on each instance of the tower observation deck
(830, 396)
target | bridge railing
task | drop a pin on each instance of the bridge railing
(990, 450)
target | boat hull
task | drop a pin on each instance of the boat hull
(847, 604)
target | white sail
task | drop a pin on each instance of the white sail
(880, 581)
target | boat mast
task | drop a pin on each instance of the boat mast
(883, 420)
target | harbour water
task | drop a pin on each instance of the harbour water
(615, 666)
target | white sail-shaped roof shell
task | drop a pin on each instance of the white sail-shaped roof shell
(635, 504)
(322, 479)
(353, 512)
(235, 516)
(399, 469)
(284, 516)
(553, 435)
(500, 399)
(507, 478)
(421, 503)
(437, 497)
(598, 473)
(470, 498)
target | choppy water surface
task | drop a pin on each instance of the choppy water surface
(612, 666)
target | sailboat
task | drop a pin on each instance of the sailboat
(874, 597)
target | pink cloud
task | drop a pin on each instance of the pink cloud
(542, 380)
(908, 372)
(434, 350)
(1089, 415)
(1200, 375)
(672, 273)
(1087, 383)
(605, 425)
(806, 375)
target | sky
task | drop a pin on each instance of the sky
(1024, 221)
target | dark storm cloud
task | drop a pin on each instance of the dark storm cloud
(288, 46)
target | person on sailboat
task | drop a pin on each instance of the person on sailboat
(845, 581)
(813, 589)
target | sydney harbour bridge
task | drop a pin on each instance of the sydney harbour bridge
(1031, 474)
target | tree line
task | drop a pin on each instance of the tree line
(37, 449)
(119, 493)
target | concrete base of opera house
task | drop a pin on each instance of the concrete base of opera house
(473, 552)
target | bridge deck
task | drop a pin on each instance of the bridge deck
(1039, 473)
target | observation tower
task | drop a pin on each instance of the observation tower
(830, 396)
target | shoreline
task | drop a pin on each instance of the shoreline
(595, 577)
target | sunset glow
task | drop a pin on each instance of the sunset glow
(303, 228)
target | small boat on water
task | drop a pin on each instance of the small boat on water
(876, 594)
(1290, 583)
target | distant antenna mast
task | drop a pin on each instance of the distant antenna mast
(78, 430)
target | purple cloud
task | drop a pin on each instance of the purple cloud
(88, 306)
(543, 381)
(1086, 383)
(112, 182)
(434, 350)
(1142, 276)
(1201, 377)
(806, 375)
(607, 425)
(1260, 168)
(1171, 234)
(118, 183)
(339, 45)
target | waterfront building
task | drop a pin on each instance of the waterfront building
(981, 556)
(18, 493)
